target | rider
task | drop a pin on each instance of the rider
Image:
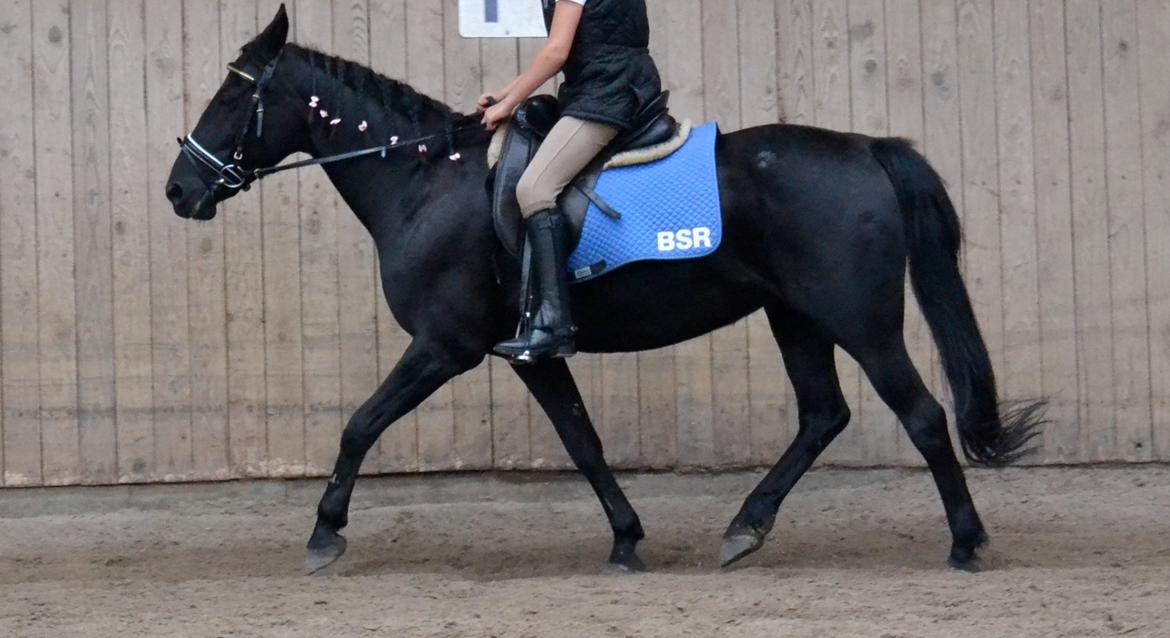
(601, 45)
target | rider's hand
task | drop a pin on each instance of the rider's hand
(488, 100)
(497, 114)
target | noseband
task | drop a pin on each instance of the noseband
(232, 176)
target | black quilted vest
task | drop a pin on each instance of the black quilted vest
(609, 75)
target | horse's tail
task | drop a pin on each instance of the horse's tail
(933, 238)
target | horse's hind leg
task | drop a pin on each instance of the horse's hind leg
(552, 384)
(896, 380)
(823, 414)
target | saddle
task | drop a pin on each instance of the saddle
(653, 128)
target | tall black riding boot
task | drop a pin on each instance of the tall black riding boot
(547, 329)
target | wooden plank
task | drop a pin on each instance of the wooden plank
(356, 260)
(1054, 224)
(425, 71)
(319, 281)
(19, 352)
(93, 242)
(833, 111)
(730, 404)
(170, 351)
(795, 61)
(759, 86)
(907, 119)
(693, 369)
(283, 335)
(243, 251)
(56, 265)
(980, 183)
(470, 392)
(1019, 375)
(941, 140)
(1154, 39)
(1127, 263)
(204, 73)
(877, 430)
(657, 401)
(130, 216)
(1090, 230)
(398, 448)
(1058, 319)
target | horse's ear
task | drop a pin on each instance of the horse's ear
(275, 35)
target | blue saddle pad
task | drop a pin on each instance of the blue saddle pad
(669, 210)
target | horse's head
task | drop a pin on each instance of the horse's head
(243, 128)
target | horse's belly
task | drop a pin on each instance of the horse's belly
(653, 305)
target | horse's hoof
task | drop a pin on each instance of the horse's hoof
(969, 566)
(737, 546)
(631, 565)
(322, 555)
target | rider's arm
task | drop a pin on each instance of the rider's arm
(548, 62)
(552, 57)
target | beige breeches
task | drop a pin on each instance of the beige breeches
(567, 150)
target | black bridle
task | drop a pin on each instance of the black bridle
(233, 177)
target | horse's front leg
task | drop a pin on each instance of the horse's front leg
(423, 369)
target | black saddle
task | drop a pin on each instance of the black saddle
(531, 123)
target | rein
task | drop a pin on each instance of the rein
(234, 177)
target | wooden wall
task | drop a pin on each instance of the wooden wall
(135, 347)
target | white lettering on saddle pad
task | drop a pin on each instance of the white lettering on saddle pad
(685, 239)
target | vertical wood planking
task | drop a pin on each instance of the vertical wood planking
(470, 392)
(244, 278)
(877, 430)
(980, 184)
(941, 140)
(1050, 118)
(56, 261)
(730, 403)
(833, 110)
(19, 352)
(1126, 232)
(1090, 230)
(204, 73)
(1017, 197)
(130, 216)
(511, 448)
(767, 385)
(93, 249)
(657, 401)
(693, 360)
(424, 62)
(320, 278)
(283, 324)
(397, 450)
(357, 285)
(1154, 42)
(905, 93)
(170, 351)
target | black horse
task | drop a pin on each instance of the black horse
(818, 229)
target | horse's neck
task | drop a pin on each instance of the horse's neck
(377, 189)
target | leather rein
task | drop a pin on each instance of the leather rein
(233, 177)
